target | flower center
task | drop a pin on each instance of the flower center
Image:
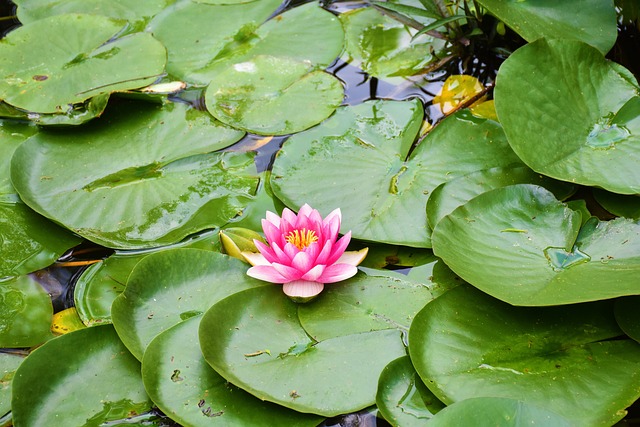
(301, 238)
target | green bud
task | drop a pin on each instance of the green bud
(237, 240)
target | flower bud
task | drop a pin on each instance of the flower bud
(237, 240)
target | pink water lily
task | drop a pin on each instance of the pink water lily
(303, 252)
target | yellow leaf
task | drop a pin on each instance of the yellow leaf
(456, 90)
(485, 110)
(66, 321)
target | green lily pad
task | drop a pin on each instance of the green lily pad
(190, 392)
(75, 115)
(497, 412)
(137, 13)
(127, 184)
(83, 61)
(451, 194)
(8, 365)
(90, 379)
(361, 304)
(384, 47)
(402, 397)
(255, 341)
(205, 39)
(466, 344)
(626, 311)
(170, 286)
(627, 206)
(560, 84)
(273, 96)
(595, 24)
(12, 134)
(360, 160)
(521, 245)
(100, 284)
(25, 313)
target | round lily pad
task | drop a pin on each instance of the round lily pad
(521, 245)
(363, 303)
(361, 160)
(269, 95)
(627, 206)
(451, 194)
(90, 379)
(84, 59)
(190, 392)
(8, 365)
(170, 286)
(255, 341)
(549, 85)
(25, 313)
(137, 13)
(595, 24)
(205, 39)
(497, 412)
(126, 182)
(383, 46)
(466, 344)
(402, 397)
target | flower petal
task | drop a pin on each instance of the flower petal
(266, 273)
(353, 257)
(273, 219)
(255, 258)
(291, 250)
(266, 251)
(337, 273)
(313, 274)
(271, 232)
(331, 225)
(324, 254)
(289, 273)
(302, 262)
(338, 248)
(302, 288)
(289, 217)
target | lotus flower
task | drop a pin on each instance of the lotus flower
(303, 252)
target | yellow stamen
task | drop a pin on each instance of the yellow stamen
(301, 238)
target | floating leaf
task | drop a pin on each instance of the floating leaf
(497, 412)
(402, 397)
(521, 245)
(25, 313)
(465, 344)
(627, 206)
(571, 114)
(532, 19)
(127, 184)
(273, 96)
(360, 159)
(451, 194)
(170, 286)
(255, 341)
(190, 392)
(66, 321)
(84, 60)
(90, 379)
(384, 47)
(8, 365)
(626, 311)
(457, 89)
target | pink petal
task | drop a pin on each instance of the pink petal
(271, 232)
(289, 217)
(353, 257)
(266, 251)
(339, 248)
(313, 274)
(288, 272)
(273, 219)
(312, 251)
(302, 288)
(302, 262)
(291, 250)
(266, 273)
(283, 258)
(337, 272)
(255, 258)
(331, 224)
(324, 254)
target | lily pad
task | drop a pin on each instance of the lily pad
(626, 311)
(170, 286)
(75, 115)
(25, 313)
(8, 365)
(361, 304)
(466, 344)
(100, 284)
(627, 206)
(533, 19)
(127, 184)
(560, 84)
(91, 379)
(268, 95)
(190, 392)
(451, 194)
(497, 412)
(361, 160)
(205, 39)
(84, 60)
(384, 47)
(402, 397)
(521, 245)
(255, 341)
